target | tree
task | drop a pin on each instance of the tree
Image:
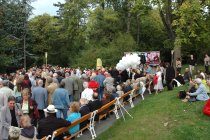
(72, 17)
(103, 26)
(47, 36)
(88, 29)
(192, 26)
(110, 55)
(13, 16)
(175, 15)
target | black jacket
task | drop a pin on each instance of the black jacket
(192, 62)
(49, 124)
(83, 111)
(170, 73)
(95, 105)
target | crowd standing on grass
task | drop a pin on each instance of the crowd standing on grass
(44, 99)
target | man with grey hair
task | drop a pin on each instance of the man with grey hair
(84, 109)
(5, 92)
(68, 85)
(109, 82)
(87, 93)
(32, 79)
(55, 76)
(200, 94)
(39, 94)
(77, 86)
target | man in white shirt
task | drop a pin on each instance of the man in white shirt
(87, 93)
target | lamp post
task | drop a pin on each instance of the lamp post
(46, 58)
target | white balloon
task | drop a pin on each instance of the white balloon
(128, 61)
(121, 61)
(120, 67)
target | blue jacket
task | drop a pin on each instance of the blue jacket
(39, 94)
(71, 118)
(61, 98)
(201, 93)
(100, 79)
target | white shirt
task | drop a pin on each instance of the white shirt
(25, 108)
(87, 94)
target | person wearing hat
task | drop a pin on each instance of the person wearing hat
(49, 124)
(93, 84)
(200, 94)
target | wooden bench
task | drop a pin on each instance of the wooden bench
(102, 116)
(65, 129)
(77, 133)
(135, 94)
(82, 119)
(87, 127)
(44, 138)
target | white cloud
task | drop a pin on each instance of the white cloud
(45, 6)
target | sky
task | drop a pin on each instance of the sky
(45, 6)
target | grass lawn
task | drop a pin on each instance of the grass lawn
(162, 117)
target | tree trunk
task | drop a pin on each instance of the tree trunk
(177, 54)
(167, 22)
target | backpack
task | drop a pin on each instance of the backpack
(182, 94)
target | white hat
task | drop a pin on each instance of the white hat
(198, 80)
(50, 109)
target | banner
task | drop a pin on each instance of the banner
(151, 57)
(98, 63)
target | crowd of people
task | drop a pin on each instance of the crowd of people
(42, 100)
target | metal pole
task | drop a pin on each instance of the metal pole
(46, 58)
